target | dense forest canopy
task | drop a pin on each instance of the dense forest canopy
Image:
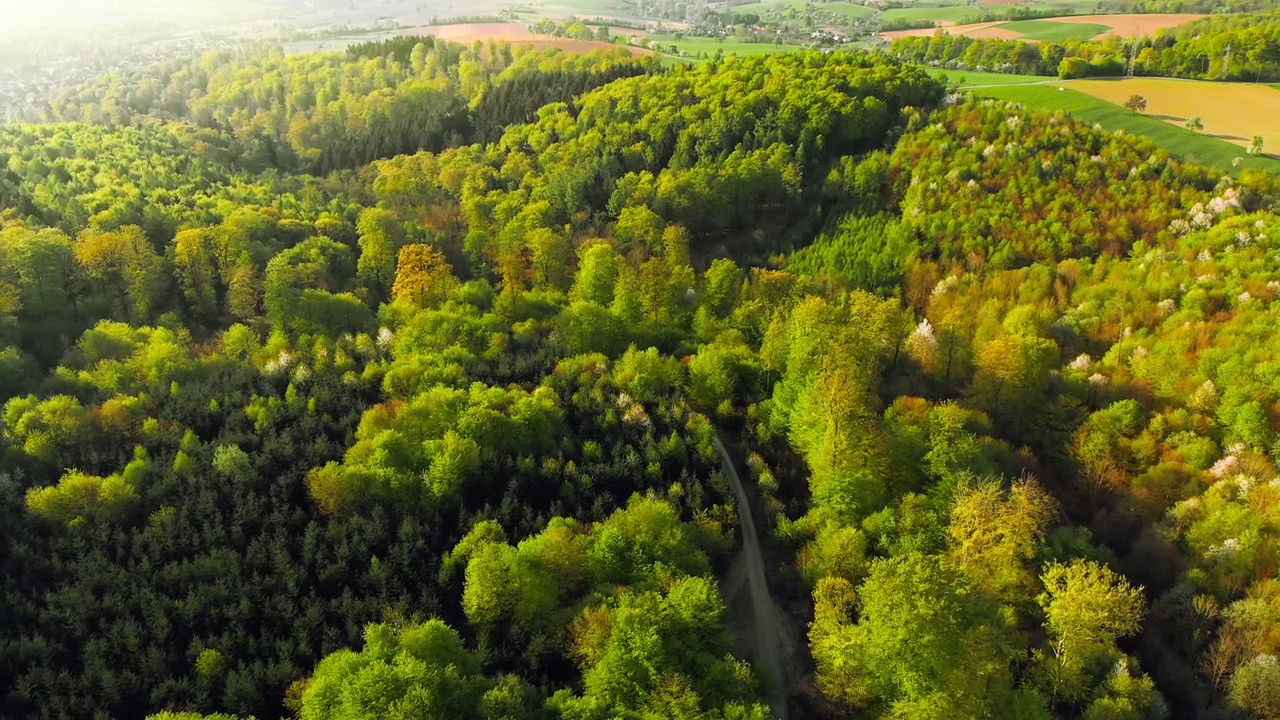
(398, 383)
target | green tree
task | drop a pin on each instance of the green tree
(419, 670)
(1088, 607)
(925, 642)
(597, 274)
(1255, 686)
(122, 262)
(381, 235)
(194, 263)
(995, 534)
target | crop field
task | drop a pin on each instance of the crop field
(515, 34)
(1187, 144)
(1234, 112)
(1050, 31)
(1128, 25)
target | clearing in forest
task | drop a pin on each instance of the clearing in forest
(1234, 112)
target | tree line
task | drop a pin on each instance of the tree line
(1237, 47)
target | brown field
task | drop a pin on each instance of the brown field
(515, 33)
(1125, 26)
(1234, 112)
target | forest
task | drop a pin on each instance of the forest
(1238, 47)
(398, 383)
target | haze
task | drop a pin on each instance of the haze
(48, 19)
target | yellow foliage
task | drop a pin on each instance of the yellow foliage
(423, 276)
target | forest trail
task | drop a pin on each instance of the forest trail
(767, 637)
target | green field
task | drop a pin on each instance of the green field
(969, 78)
(775, 6)
(695, 46)
(760, 8)
(1179, 141)
(583, 8)
(1049, 31)
(1078, 7)
(848, 9)
(958, 15)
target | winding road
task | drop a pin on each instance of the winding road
(768, 636)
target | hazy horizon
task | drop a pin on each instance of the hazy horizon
(33, 22)
(50, 19)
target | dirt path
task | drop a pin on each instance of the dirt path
(768, 636)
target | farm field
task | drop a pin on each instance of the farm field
(513, 33)
(1051, 31)
(1234, 112)
(1131, 25)
(1071, 27)
(580, 8)
(695, 46)
(957, 14)
(1185, 143)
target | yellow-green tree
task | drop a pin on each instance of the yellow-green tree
(121, 264)
(381, 235)
(423, 276)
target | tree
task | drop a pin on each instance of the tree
(381, 236)
(1087, 608)
(423, 276)
(51, 283)
(1136, 103)
(1194, 123)
(720, 286)
(597, 274)
(550, 254)
(995, 534)
(416, 671)
(193, 260)
(122, 262)
(586, 327)
(299, 278)
(925, 642)
(78, 495)
(1255, 145)
(1255, 686)
(244, 292)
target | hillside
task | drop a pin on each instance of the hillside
(426, 380)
